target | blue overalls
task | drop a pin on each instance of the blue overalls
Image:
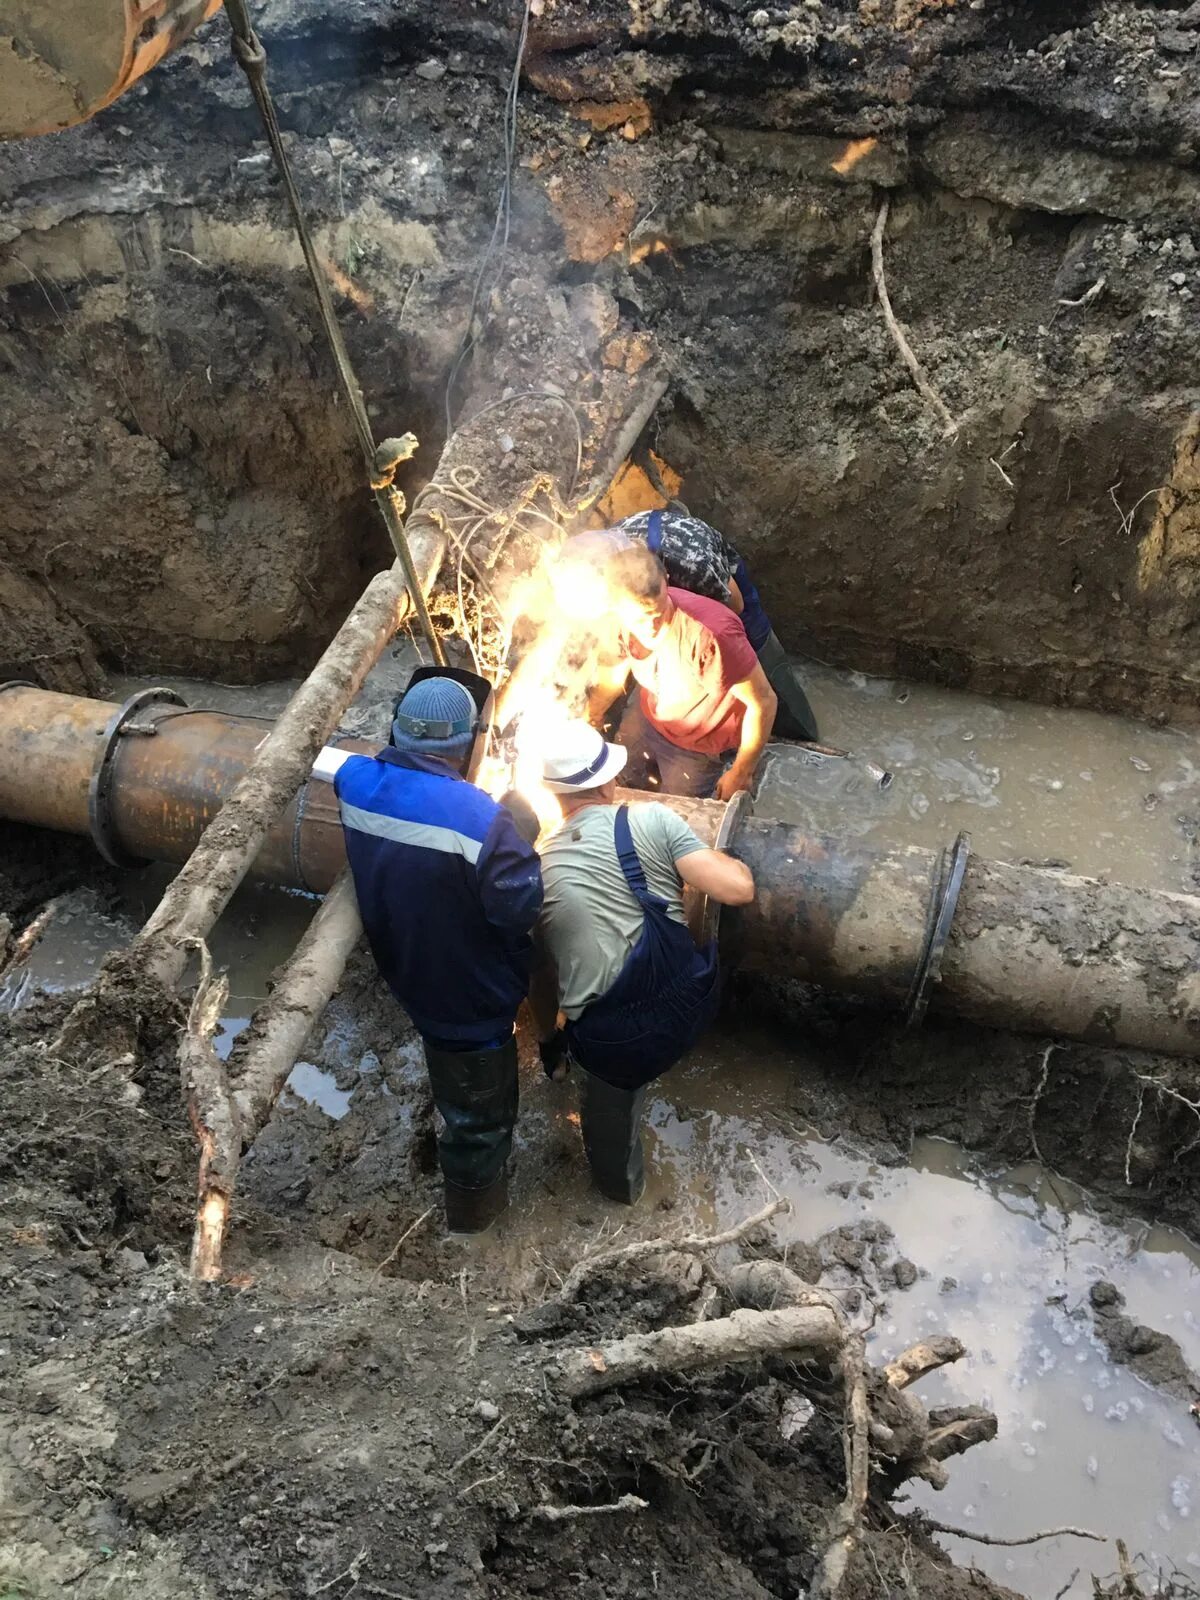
(449, 894)
(665, 995)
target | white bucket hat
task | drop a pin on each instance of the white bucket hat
(581, 759)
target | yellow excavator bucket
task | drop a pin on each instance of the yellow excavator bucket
(63, 60)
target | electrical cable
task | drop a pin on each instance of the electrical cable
(502, 226)
(541, 394)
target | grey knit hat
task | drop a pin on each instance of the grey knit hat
(437, 717)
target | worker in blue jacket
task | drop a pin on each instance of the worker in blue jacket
(449, 887)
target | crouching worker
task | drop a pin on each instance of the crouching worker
(635, 990)
(449, 887)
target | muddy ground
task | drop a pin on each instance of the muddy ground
(303, 1425)
(181, 489)
(322, 1426)
(181, 492)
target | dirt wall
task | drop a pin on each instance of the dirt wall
(180, 488)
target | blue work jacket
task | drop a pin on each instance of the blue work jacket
(448, 890)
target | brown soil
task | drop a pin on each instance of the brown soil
(316, 1423)
(183, 490)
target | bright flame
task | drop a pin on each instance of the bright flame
(563, 613)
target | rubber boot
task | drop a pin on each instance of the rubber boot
(794, 717)
(474, 1210)
(476, 1093)
(611, 1123)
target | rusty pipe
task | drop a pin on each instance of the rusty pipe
(1010, 946)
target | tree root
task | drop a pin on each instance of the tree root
(727, 1341)
(920, 1359)
(778, 1313)
(928, 393)
(627, 1502)
(847, 1527)
(1029, 1538)
(643, 1249)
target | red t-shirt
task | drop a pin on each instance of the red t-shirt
(697, 659)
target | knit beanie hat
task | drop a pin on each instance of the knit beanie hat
(437, 717)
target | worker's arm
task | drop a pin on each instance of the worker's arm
(717, 875)
(509, 874)
(760, 701)
(611, 679)
(736, 599)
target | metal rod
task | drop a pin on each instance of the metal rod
(1030, 950)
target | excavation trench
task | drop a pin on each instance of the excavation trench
(988, 1244)
(182, 495)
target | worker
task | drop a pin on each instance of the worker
(696, 557)
(450, 888)
(703, 709)
(634, 992)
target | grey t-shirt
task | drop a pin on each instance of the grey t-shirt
(590, 919)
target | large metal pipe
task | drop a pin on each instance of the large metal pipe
(1016, 947)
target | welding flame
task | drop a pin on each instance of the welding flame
(567, 606)
(561, 615)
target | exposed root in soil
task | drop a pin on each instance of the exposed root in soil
(928, 393)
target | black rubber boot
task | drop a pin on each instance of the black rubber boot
(794, 717)
(474, 1210)
(476, 1093)
(611, 1122)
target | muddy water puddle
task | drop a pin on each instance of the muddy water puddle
(1005, 1262)
(1104, 796)
(259, 930)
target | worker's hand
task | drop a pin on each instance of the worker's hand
(733, 782)
(553, 1052)
(524, 817)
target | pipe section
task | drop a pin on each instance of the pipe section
(1026, 949)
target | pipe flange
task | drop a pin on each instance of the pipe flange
(942, 906)
(736, 811)
(100, 788)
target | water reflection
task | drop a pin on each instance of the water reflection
(1102, 794)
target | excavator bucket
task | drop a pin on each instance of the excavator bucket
(61, 61)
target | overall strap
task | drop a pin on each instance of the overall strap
(627, 855)
(654, 532)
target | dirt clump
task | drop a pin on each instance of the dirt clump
(1154, 1356)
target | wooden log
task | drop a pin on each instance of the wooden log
(230, 1103)
(211, 1112)
(267, 1051)
(728, 1341)
(920, 1359)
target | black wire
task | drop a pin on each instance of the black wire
(502, 226)
(543, 394)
